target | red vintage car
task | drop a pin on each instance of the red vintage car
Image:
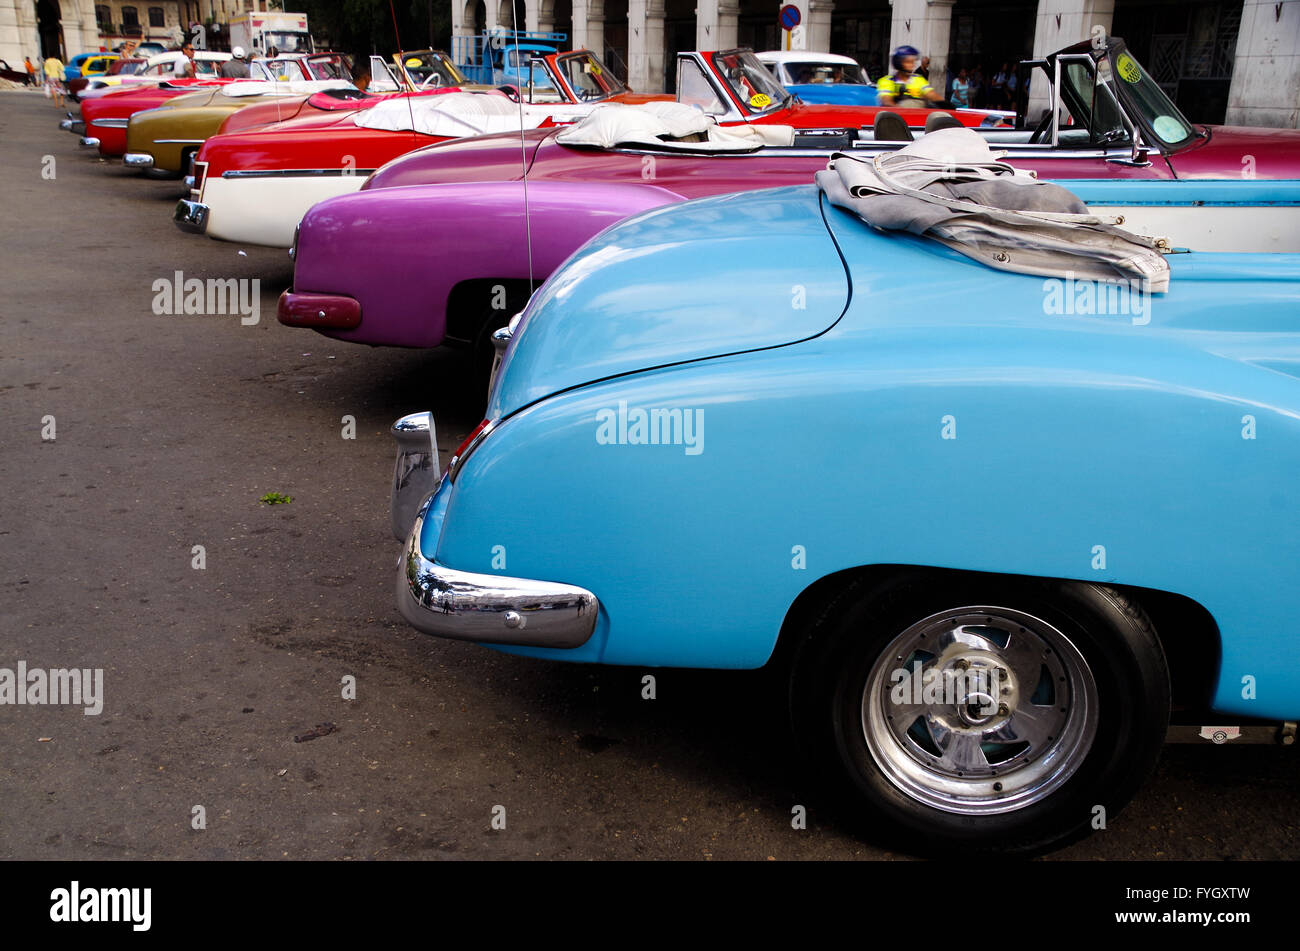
(104, 119)
(734, 86)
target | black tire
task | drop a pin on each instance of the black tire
(904, 786)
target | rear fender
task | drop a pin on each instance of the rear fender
(401, 252)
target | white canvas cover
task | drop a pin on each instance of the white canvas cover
(668, 125)
(452, 114)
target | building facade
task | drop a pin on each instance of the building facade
(1221, 60)
(39, 28)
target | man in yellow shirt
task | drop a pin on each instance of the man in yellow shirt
(54, 79)
(906, 87)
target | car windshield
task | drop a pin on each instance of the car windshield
(329, 67)
(283, 70)
(1158, 113)
(588, 77)
(541, 87)
(1102, 88)
(288, 42)
(814, 72)
(750, 80)
(432, 69)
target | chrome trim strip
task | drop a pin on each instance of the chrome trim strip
(179, 141)
(137, 160)
(278, 173)
(191, 216)
(489, 609)
(110, 123)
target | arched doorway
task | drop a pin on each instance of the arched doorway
(49, 28)
(475, 16)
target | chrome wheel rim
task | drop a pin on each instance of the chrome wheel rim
(979, 710)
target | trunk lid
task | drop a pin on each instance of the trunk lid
(751, 271)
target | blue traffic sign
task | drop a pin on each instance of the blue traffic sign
(790, 17)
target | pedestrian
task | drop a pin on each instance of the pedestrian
(237, 66)
(185, 69)
(998, 88)
(31, 71)
(924, 69)
(977, 90)
(361, 75)
(961, 88)
(54, 79)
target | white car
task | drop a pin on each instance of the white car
(158, 69)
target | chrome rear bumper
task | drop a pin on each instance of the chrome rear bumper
(137, 160)
(89, 142)
(465, 605)
(490, 609)
(191, 216)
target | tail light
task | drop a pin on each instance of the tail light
(472, 442)
(200, 173)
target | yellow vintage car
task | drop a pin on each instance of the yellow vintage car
(163, 139)
(98, 64)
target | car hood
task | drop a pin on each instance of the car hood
(749, 271)
(1240, 152)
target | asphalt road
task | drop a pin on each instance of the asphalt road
(168, 430)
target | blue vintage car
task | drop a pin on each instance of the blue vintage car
(821, 78)
(993, 525)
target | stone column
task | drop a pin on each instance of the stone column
(589, 26)
(817, 25)
(460, 26)
(541, 16)
(18, 33)
(1265, 88)
(716, 24)
(500, 14)
(81, 33)
(927, 25)
(1062, 23)
(645, 45)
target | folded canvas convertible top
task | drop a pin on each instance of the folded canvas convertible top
(668, 125)
(951, 187)
(452, 114)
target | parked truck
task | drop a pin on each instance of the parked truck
(259, 33)
(502, 56)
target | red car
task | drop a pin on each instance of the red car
(104, 119)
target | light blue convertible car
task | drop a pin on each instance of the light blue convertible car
(995, 525)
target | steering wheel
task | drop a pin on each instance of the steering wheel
(512, 92)
(433, 82)
(1040, 132)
